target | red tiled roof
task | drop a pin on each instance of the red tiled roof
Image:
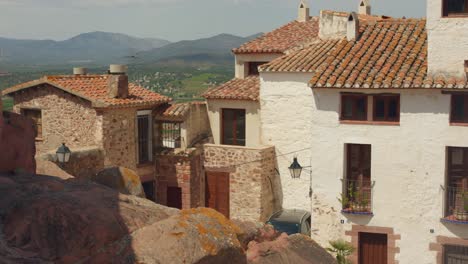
(173, 111)
(304, 60)
(283, 38)
(389, 54)
(237, 89)
(94, 89)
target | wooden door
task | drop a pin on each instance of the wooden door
(372, 248)
(217, 192)
(174, 197)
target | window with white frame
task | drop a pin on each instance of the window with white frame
(144, 139)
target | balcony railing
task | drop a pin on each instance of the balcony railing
(456, 204)
(357, 197)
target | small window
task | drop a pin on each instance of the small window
(455, 254)
(233, 127)
(455, 7)
(459, 109)
(387, 108)
(353, 107)
(253, 67)
(36, 116)
(145, 148)
(171, 137)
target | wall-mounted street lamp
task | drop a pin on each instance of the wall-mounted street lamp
(296, 170)
(63, 154)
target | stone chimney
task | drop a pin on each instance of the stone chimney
(79, 71)
(117, 84)
(352, 30)
(364, 7)
(303, 13)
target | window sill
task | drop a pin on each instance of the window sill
(39, 139)
(351, 212)
(379, 123)
(461, 15)
(458, 124)
(453, 220)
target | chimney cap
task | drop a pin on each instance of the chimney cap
(79, 71)
(118, 69)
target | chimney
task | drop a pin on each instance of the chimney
(117, 83)
(364, 7)
(303, 13)
(352, 30)
(79, 71)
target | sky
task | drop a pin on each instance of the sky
(173, 20)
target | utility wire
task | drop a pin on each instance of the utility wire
(281, 155)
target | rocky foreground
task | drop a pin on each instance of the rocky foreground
(45, 219)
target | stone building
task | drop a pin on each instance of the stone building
(376, 106)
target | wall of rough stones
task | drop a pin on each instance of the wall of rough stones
(119, 137)
(184, 170)
(66, 118)
(83, 163)
(254, 190)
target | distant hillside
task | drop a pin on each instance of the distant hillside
(215, 49)
(90, 48)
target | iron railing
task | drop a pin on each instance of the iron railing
(455, 254)
(357, 196)
(456, 203)
(170, 134)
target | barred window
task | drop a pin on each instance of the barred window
(171, 137)
(455, 254)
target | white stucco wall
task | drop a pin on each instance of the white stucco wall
(448, 41)
(286, 108)
(241, 67)
(252, 111)
(408, 165)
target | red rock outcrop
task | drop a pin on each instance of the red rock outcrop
(17, 143)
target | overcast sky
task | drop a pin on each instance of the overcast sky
(169, 19)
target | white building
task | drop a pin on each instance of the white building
(378, 108)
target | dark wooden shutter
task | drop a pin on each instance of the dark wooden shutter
(372, 248)
(174, 197)
(217, 191)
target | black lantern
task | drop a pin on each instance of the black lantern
(295, 169)
(63, 154)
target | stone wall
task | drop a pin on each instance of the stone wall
(119, 138)
(254, 184)
(65, 118)
(184, 170)
(17, 147)
(83, 163)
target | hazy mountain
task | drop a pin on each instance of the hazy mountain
(94, 47)
(216, 49)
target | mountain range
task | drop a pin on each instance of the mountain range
(100, 48)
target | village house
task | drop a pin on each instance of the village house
(373, 108)
(107, 121)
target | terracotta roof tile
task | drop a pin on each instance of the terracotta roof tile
(173, 111)
(283, 38)
(237, 89)
(389, 54)
(94, 89)
(304, 60)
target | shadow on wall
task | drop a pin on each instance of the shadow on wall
(276, 186)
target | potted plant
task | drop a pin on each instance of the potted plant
(342, 250)
(461, 206)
